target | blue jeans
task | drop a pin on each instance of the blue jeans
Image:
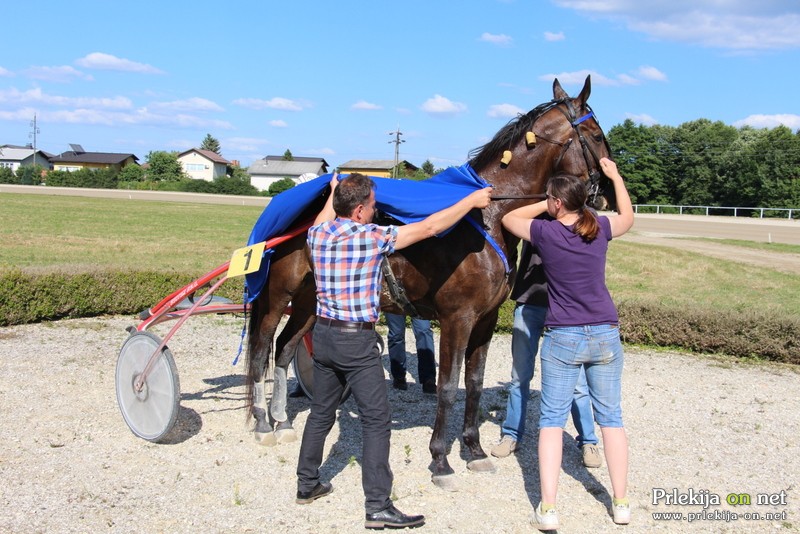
(565, 353)
(426, 362)
(528, 326)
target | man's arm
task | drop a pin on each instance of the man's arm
(441, 220)
(327, 213)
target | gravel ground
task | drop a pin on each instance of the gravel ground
(69, 463)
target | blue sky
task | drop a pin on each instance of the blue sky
(333, 79)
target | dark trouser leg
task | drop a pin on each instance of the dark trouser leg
(425, 355)
(328, 387)
(397, 344)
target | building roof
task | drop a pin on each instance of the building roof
(19, 153)
(208, 154)
(107, 158)
(297, 158)
(382, 164)
(282, 167)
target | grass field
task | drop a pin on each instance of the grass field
(76, 234)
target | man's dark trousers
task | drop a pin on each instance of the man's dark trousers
(342, 356)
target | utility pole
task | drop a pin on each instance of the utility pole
(33, 134)
(397, 133)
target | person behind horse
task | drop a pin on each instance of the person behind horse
(346, 251)
(426, 362)
(530, 294)
(581, 329)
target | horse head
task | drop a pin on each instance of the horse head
(562, 135)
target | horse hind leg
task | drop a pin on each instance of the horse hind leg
(473, 383)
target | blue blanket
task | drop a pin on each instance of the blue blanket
(405, 200)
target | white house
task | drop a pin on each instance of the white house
(203, 164)
(266, 171)
(13, 157)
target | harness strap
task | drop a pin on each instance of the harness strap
(396, 290)
(491, 241)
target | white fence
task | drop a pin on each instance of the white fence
(790, 213)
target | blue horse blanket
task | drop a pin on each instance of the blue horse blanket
(405, 200)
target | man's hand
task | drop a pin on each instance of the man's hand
(481, 198)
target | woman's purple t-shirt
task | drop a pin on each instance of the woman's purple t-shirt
(576, 274)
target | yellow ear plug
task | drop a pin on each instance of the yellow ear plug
(506, 159)
(530, 138)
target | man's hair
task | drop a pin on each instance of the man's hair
(351, 192)
(572, 192)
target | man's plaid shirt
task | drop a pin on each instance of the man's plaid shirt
(347, 267)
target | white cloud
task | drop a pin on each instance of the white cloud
(280, 103)
(645, 73)
(500, 39)
(62, 74)
(439, 105)
(277, 123)
(189, 104)
(770, 121)
(363, 104)
(101, 61)
(506, 111)
(6, 72)
(651, 73)
(550, 36)
(14, 96)
(732, 24)
(641, 118)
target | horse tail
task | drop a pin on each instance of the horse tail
(252, 339)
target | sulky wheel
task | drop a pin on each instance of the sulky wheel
(151, 412)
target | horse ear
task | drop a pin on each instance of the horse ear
(558, 91)
(585, 92)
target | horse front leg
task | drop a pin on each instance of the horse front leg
(477, 353)
(452, 347)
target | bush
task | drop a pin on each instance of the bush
(280, 186)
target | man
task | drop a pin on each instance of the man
(426, 362)
(530, 294)
(346, 250)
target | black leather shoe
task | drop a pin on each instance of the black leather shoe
(429, 387)
(320, 490)
(400, 383)
(393, 518)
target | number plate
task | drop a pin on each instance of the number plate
(246, 260)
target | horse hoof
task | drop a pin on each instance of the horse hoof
(445, 482)
(267, 439)
(286, 435)
(484, 465)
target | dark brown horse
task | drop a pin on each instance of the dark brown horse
(460, 279)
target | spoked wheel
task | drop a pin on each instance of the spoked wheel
(150, 413)
(303, 365)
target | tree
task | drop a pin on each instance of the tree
(280, 186)
(7, 176)
(210, 143)
(164, 167)
(287, 156)
(131, 173)
(427, 168)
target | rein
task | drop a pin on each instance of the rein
(540, 196)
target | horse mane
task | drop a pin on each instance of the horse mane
(509, 135)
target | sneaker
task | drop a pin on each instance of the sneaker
(545, 520)
(591, 455)
(429, 387)
(622, 513)
(400, 384)
(506, 446)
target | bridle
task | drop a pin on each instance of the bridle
(589, 155)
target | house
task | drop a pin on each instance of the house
(77, 159)
(203, 164)
(266, 171)
(382, 168)
(13, 157)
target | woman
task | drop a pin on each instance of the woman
(581, 329)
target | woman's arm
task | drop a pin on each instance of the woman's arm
(518, 221)
(624, 220)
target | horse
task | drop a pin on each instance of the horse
(461, 279)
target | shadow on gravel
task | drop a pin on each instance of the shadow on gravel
(186, 427)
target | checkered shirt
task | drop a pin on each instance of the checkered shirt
(347, 260)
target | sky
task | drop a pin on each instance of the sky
(337, 80)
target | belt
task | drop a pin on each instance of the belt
(349, 326)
